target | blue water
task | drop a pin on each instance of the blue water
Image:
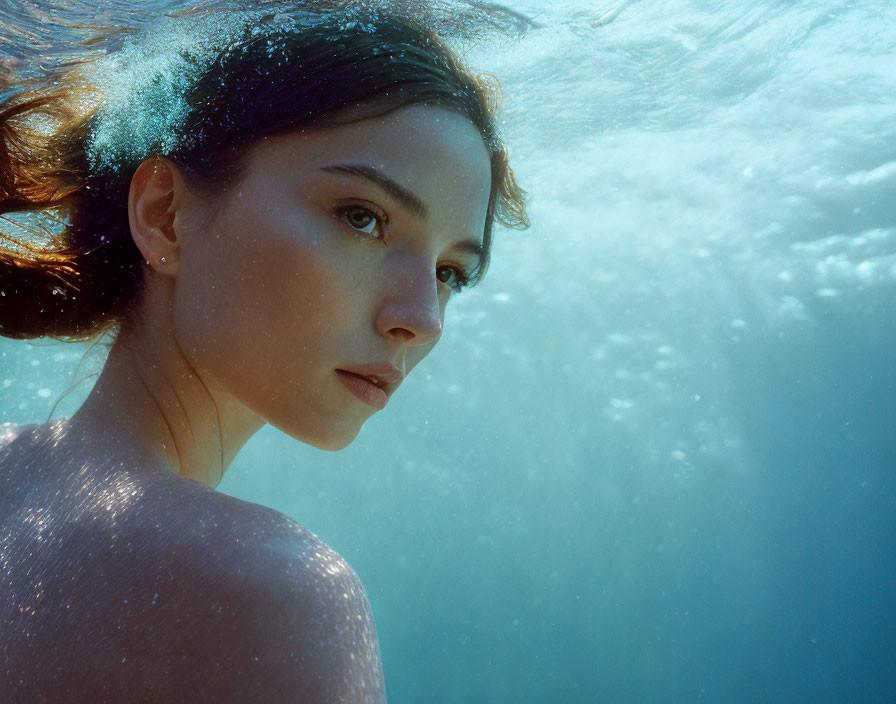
(654, 456)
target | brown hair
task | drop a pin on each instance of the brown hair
(67, 157)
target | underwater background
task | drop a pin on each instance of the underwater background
(653, 458)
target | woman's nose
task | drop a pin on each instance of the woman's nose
(411, 311)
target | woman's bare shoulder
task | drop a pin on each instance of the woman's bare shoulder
(267, 602)
(177, 592)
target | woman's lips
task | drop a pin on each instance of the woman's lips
(364, 389)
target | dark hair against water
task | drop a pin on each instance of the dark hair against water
(346, 63)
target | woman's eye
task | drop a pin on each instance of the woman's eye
(452, 277)
(363, 220)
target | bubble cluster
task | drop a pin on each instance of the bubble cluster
(143, 103)
(145, 86)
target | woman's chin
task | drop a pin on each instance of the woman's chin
(330, 439)
(334, 444)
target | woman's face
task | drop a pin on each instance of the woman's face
(322, 278)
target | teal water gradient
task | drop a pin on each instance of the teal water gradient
(654, 456)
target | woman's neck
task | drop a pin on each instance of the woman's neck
(150, 403)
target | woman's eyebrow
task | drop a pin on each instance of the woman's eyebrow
(400, 193)
(468, 247)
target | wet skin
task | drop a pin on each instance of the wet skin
(123, 575)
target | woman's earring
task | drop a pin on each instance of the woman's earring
(162, 259)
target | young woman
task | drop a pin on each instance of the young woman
(272, 213)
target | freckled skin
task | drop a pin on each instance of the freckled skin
(124, 577)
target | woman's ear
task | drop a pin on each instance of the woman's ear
(156, 193)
